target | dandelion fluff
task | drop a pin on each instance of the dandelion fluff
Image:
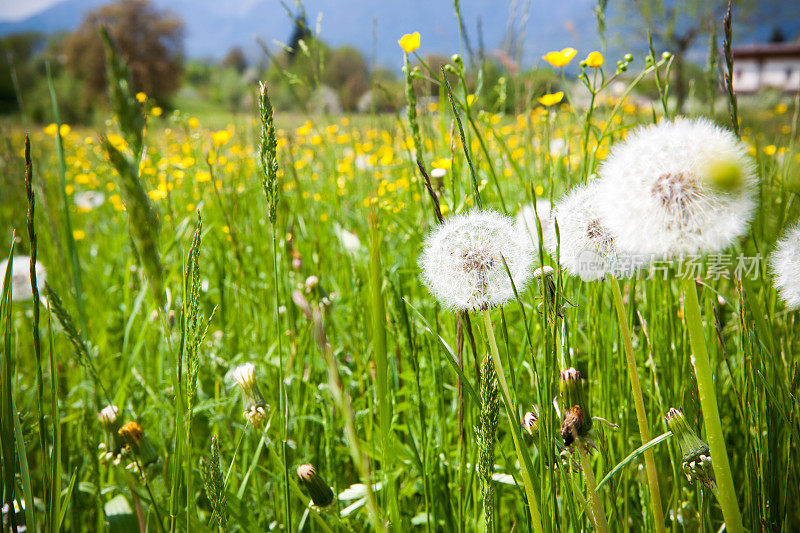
(21, 277)
(678, 188)
(462, 260)
(526, 223)
(785, 265)
(588, 248)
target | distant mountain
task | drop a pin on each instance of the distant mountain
(213, 26)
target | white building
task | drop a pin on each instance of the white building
(757, 66)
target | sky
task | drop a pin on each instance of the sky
(19, 9)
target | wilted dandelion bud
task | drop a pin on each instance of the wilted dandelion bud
(255, 408)
(530, 422)
(695, 453)
(134, 437)
(109, 419)
(316, 487)
(311, 282)
(462, 261)
(577, 420)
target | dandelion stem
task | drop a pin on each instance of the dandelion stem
(641, 415)
(599, 516)
(524, 459)
(708, 402)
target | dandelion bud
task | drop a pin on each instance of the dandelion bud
(577, 420)
(109, 419)
(255, 408)
(530, 422)
(695, 453)
(320, 492)
(133, 435)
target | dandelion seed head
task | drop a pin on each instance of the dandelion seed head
(785, 266)
(462, 260)
(21, 277)
(588, 248)
(678, 188)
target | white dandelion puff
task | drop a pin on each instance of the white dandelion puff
(462, 261)
(526, 222)
(88, 200)
(678, 188)
(437, 173)
(588, 248)
(785, 266)
(350, 241)
(21, 277)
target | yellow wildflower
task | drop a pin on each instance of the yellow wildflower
(78, 234)
(193, 122)
(551, 99)
(560, 59)
(221, 137)
(594, 60)
(156, 111)
(141, 97)
(409, 42)
(445, 164)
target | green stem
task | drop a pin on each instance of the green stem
(599, 516)
(641, 415)
(283, 401)
(708, 401)
(524, 460)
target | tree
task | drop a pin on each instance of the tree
(149, 41)
(677, 25)
(235, 59)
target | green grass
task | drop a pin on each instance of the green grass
(380, 383)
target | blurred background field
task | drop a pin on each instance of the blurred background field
(352, 214)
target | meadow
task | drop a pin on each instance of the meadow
(178, 253)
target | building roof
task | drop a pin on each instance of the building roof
(763, 50)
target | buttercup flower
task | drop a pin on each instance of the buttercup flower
(409, 42)
(681, 187)
(588, 247)
(21, 277)
(462, 261)
(560, 59)
(594, 60)
(785, 266)
(551, 99)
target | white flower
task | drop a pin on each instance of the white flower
(438, 173)
(21, 277)
(88, 200)
(678, 188)
(785, 265)
(588, 248)
(526, 223)
(462, 261)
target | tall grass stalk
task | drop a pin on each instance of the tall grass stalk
(708, 402)
(638, 400)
